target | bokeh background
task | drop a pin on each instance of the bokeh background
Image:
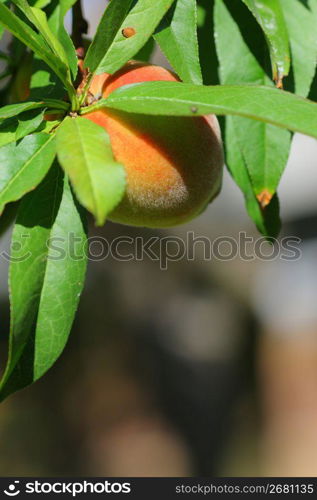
(206, 368)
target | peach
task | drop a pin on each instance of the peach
(173, 164)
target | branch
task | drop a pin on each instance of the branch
(80, 25)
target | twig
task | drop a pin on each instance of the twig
(80, 25)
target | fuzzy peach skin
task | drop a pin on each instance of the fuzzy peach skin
(173, 164)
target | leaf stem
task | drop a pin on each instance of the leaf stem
(56, 104)
(94, 107)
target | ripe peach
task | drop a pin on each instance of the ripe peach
(173, 164)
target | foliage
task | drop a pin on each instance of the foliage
(59, 167)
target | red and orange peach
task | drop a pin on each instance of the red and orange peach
(173, 164)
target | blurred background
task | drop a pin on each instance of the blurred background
(206, 368)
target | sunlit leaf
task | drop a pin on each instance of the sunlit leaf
(269, 15)
(270, 105)
(266, 219)
(24, 165)
(45, 280)
(120, 36)
(264, 148)
(177, 37)
(34, 41)
(303, 40)
(84, 151)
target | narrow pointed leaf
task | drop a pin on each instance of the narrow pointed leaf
(177, 38)
(40, 4)
(270, 105)
(27, 123)
(84, 151)
(1, 27)
(38, 18)
(56, 23)
(35, 42)
(269, 15)
(146, 52)
(107, 30)
(66, 5)
(45, 280)
(264, 148)
(138, 25)
(24, 165)
(266, 219)
(7, 131)
(15, 128)
(12, 110)
(41, 22)
(303, 40)
(44, 82)
(313, 6)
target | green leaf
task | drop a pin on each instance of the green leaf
(56, 23)
(270, 105)
(15, 109)
(313, 6)
(109, 52)
(27, 123)
(266, 219)
(39, 20)
(237, 64)
(7, 131)
(40, 4)
(177, 38)
(20, 29)
(46, 280)
(84, 151)
(31, 39)
(108, 28)
(146, 52)
(24, 165)
(14, 129)
(1, 27)
(269, 15)
(303, 40)
(264, 148)
(66, 5)
(44, 82)
(48, 126)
